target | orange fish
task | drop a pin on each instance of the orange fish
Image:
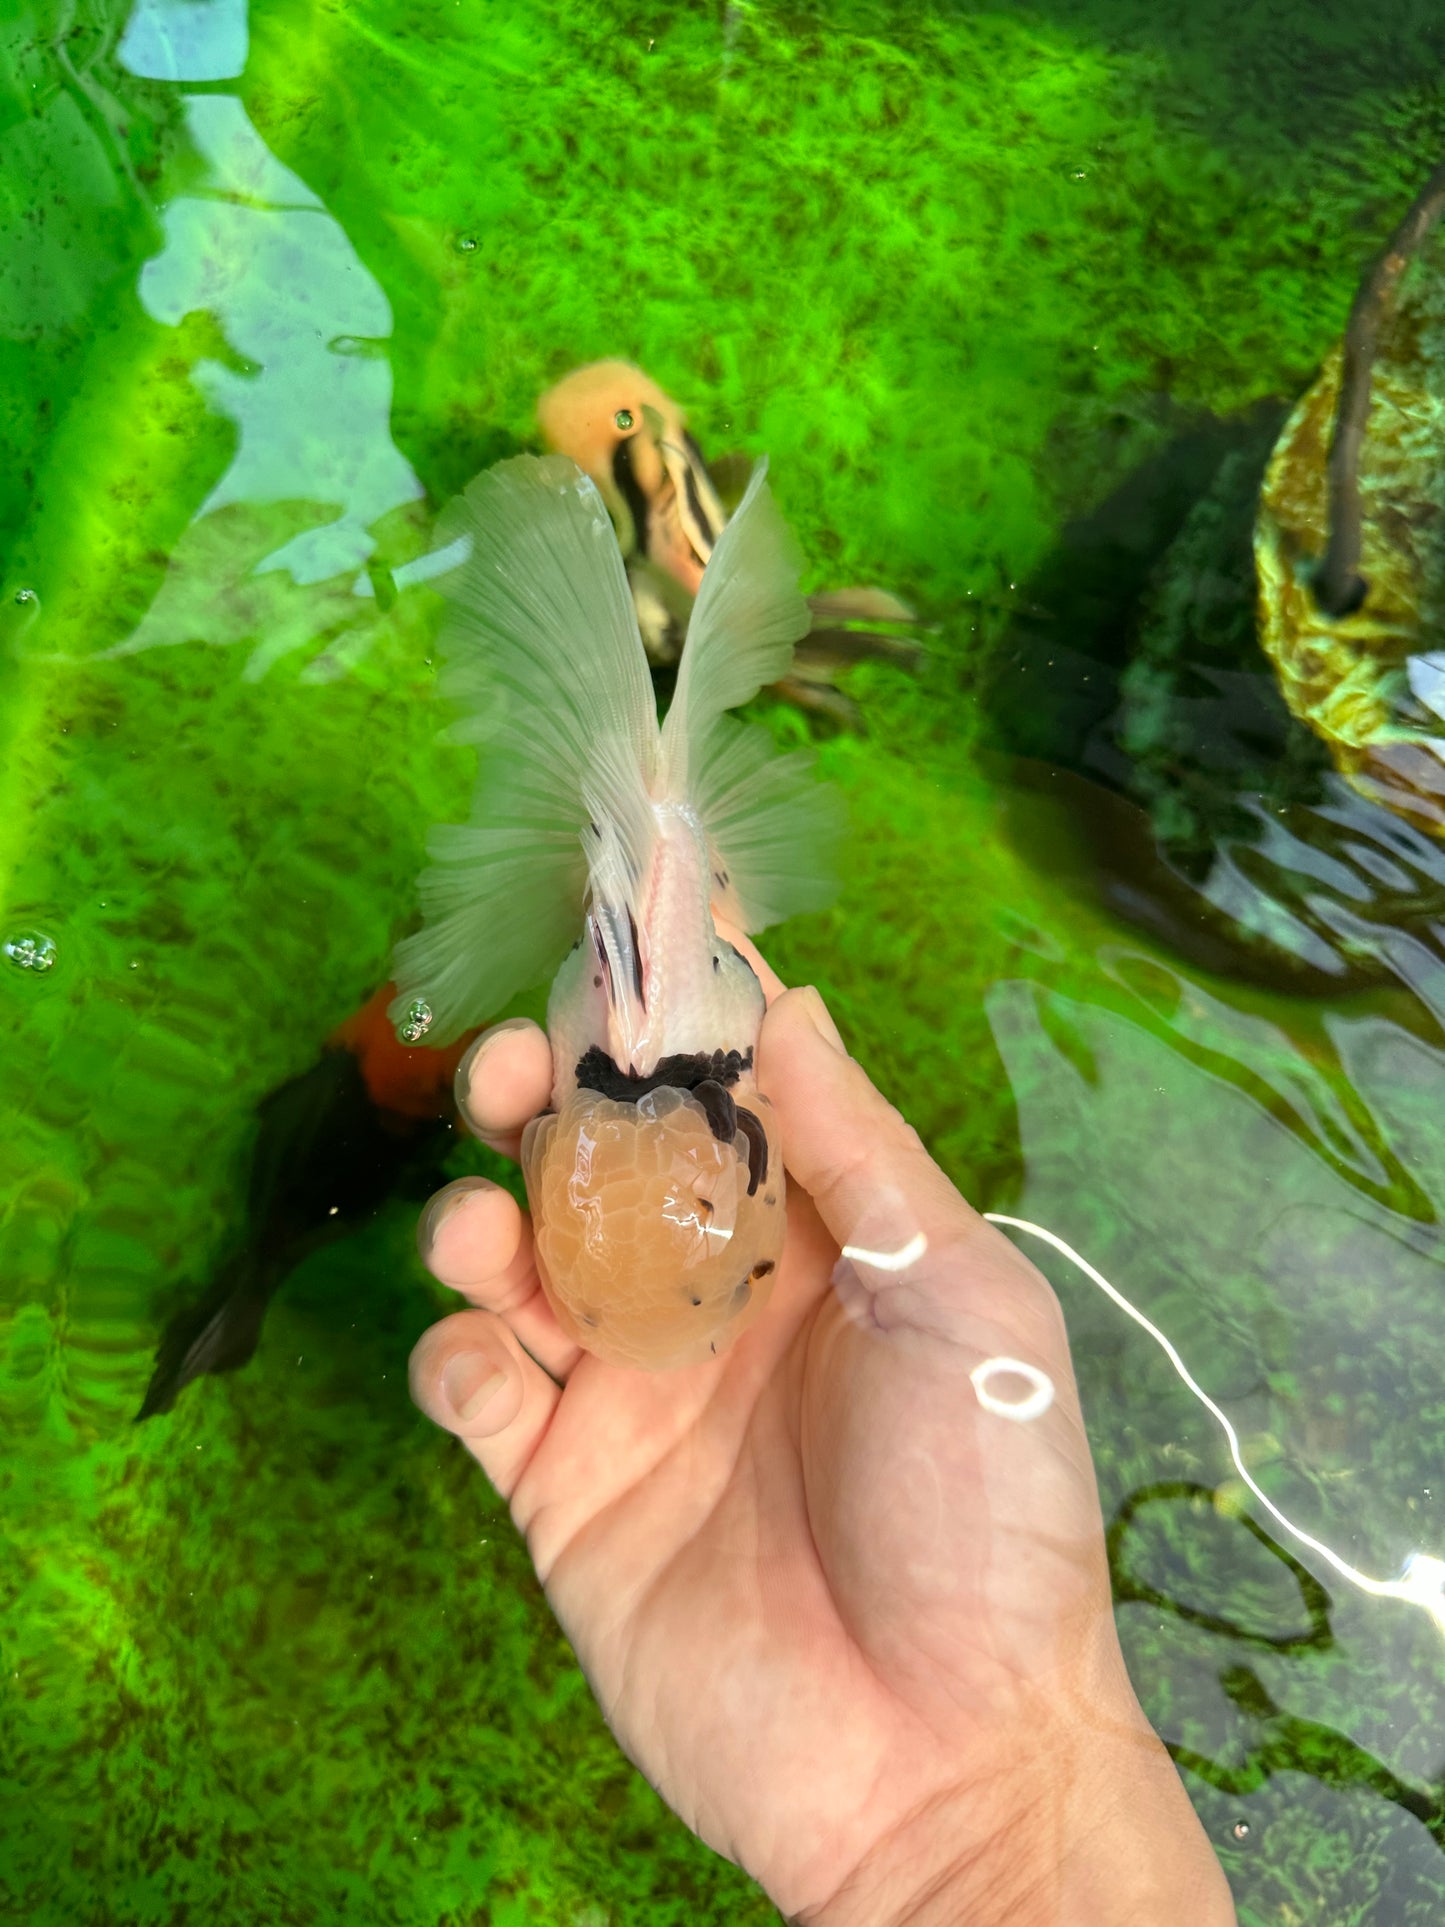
(667, 506)
(407, 1080)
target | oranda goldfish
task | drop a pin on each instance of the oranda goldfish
(668, 507)
(656, 1178)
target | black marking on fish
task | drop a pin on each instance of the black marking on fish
(762, 1270)
(636, 957)
(697, 465)
(703, 543)
(601, 948)
(770, 1200)
(750, 1127)
(696, 1301)
(597, 1071)
(631, 491)
(597, 983)
(722, 1113)
(721, 877)
(717, 963)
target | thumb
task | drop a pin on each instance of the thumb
(918, 1256)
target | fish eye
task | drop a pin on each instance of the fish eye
(624, 418)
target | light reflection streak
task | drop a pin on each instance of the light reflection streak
(1020, 1410)
(899, 1260)
(1422, 1582)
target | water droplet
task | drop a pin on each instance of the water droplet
(623, 418)
(1240, 1829)
(416, 1022)
(26, 597)
(468, 244)
(31, 950)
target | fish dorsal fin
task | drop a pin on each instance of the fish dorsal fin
(544, 659)
(771, 828)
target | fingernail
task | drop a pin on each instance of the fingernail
(441, 1207)
(472, 1057)
(820, 1020)
(471, 1381)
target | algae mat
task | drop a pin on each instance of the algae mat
(277, 282)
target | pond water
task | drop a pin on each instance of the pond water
(1016, 300)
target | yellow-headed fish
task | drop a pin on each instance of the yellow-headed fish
(633, 440)
(656, 1179)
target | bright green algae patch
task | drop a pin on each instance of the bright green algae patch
(280, 1655)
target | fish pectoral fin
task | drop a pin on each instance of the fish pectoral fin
(819, 698)
(860, 605)
(833, 649)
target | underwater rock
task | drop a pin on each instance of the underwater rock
(1367, 681)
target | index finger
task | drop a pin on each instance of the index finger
(503, 1081)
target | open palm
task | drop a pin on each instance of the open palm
(842, 1607)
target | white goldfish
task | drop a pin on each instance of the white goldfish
(656, 1180)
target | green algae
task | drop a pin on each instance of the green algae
(280, 1654)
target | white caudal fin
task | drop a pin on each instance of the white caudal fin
(772, 828)
(543, 655)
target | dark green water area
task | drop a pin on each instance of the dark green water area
(1016, 298)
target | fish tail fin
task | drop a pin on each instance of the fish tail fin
(773, 830)
(543, 656)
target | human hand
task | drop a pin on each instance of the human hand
(853, 1623)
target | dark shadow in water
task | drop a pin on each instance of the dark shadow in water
(1294, 1745)
(1195, 1497)
(1288, 1743)
(1273, 75)
(1152, 762)
(326, 1160)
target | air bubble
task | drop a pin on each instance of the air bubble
(468, 244)
(31, 950)
(416, 1022)
(623, 418)
(26, 598)
(1240, 1829)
